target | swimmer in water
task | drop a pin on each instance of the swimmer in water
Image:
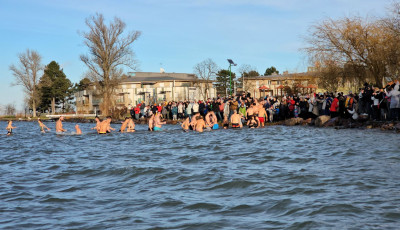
(105, 126)
(78, 130)
(200, 124)
(59, 125)
(252, 123)
(262, 114)
(158, 123)
(185, 125)
(236, 120)
(124, 125)
(225, 122)
(42, 126)
(131, 126)
(151, 122)
(10, 128)
(98, 122)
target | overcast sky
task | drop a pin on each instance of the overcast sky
(176, 34)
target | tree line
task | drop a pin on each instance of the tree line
(355, 50)
(47, 88)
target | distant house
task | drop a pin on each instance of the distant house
(149, 87)
(279, 84)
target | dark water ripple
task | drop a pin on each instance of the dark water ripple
(272, 178)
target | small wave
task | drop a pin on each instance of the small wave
(235, 184)
(206, 206)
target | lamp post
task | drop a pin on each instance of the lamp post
(231, 63)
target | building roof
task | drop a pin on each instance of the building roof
(157, 77)
(283, 76)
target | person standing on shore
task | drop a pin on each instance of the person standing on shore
(59, 125)
(42, 126)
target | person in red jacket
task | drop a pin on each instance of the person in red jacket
(291, 104)
(334, 107)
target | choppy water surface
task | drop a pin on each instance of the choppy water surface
(276, 177)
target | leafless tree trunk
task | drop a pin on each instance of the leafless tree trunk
(206, 72)
(109, 52)
(26, 74)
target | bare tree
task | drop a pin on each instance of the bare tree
(10, 109)
(109, 52)
(206, 72)
(246, 71)
(354, 42)
(26, 73)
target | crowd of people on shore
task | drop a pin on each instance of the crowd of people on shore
(381, 104)
(243, 110)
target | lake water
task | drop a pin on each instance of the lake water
(272, 178)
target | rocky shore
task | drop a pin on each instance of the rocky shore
(342, 123)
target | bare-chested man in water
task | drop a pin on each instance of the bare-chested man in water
(214, 121)
(250, 112)
(185, 125)
(194, 121)
(131, 126)
(105, 126)
(262, 114)
(124, 125)
(158, 123)
(59, 125)
(236, 120)
(98, 122)
(151, 122)
(200, 124)
(209, 119)
(42, 126)
(10, 128)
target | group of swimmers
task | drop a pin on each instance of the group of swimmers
(197, 123)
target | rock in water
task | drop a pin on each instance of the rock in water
(293, 121)
(321, 120)
(332, 122)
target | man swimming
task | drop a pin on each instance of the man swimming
(10, 128)
(124, 125)
(59, 125)
(158, 123)
(131, 126)
(42, 126)
(105, 126)
(200, 124)
(78, 130)
(236, 120)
